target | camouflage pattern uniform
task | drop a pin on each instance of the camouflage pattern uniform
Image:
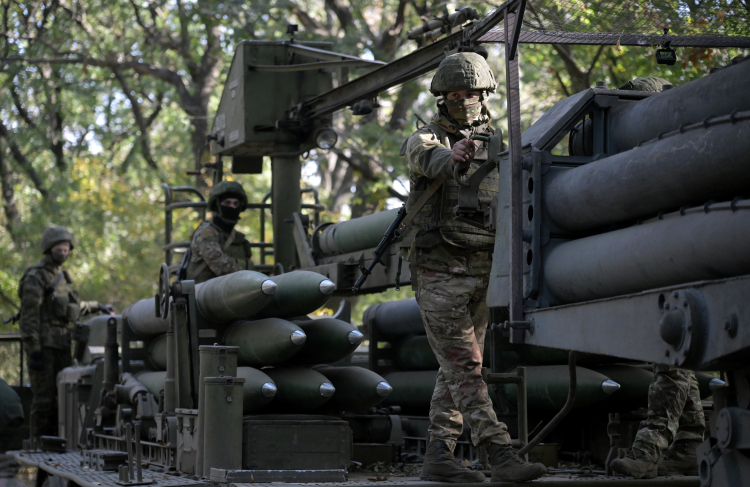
(211, 257)
(216, 248)
(450, 264)
(46, 319)
(675, 412)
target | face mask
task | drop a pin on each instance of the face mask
(58, 257)
(230, 214)
(464, 111)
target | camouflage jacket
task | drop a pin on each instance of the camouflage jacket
(212, 254)
(429, 155)
(49, 306)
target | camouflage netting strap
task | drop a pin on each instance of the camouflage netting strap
(229, 241)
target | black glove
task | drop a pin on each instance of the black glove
(107, 308)
(36, 361)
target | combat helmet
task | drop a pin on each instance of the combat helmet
(463, 71)
(648, 83)
(55, 235)
(226, 189)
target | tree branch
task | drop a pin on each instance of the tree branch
(158, 72)
(8, 197)
(139, 119)
(23, 162)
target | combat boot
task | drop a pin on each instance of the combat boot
(507, 466)
(680, 459)
(635, 464)
(441, 466)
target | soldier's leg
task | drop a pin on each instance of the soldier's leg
(444, 301)
(667, 396)
(681, 457)
(446, 421)
(44, 403)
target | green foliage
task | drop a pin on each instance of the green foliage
(103, 102)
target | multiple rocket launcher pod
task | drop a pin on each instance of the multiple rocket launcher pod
(251, 312)
(601, 380)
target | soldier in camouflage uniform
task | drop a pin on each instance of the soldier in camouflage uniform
(450, 263)
(667, 439)
(49, 308)
(217, 248)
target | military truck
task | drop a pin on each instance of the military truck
(627, 251)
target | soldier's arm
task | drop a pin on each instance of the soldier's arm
(428, 157)
(206, 244)
(32, 298)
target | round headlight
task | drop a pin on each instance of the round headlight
(326, 138)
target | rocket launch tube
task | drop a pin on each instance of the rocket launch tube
(220, 300)
(716, 94)
(660, 175)
(356, 234)
(654, 254)
(395, 318)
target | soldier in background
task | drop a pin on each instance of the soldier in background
(450, 263)
(217, 248)
(49, 308)
(668, 437)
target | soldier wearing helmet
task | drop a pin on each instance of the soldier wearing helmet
(450, 263)
(49, 308)
(217, 248)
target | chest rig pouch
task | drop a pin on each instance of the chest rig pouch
(64, 301)
(443, 218)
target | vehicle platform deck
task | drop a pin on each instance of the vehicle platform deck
(68, 466)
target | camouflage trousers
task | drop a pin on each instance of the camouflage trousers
(454, 311)
(675, 412)
(44, 386)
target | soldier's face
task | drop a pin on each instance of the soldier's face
(231, 202)
(463, 95)
(60, 252)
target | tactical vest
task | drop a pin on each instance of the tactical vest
(434, 223)
(238, 250)
(60, 306)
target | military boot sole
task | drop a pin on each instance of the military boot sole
(522, 474)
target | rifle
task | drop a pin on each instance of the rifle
(391, 235)
(13, 318)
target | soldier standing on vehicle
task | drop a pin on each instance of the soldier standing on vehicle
(450, 263)
(49, 308)
(667, 438)
(217, 248)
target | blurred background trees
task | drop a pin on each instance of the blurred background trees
(103, 101)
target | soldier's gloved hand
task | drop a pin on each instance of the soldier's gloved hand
(106, 308)
(36, 361)
(463, 152)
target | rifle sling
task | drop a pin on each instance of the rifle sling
(51, 288)
(431, 189)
